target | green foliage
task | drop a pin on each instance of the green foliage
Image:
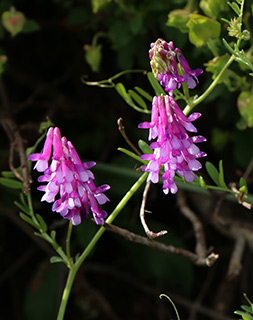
(213, 8)
(93, 56)
(13, 21)
(217, 176)
(247, 313)
(11, 183)
(178, 19)
(202, 29)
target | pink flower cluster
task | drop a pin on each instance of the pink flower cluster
(164, 61)
(174, 150)
(67, 176)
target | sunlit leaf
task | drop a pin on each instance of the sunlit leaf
(178, 19)
(202, 29)
(213, 172)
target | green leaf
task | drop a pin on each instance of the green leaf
(28, 220)
(247, 308)
(56, 259)
(138, 99)
(243, 186)
(13, 21)
(144, 93)
(30, 26)
(53, 234)
(221, 175)
(212, 8)
(10, 183)
(93, 56)
(155, 84)
(23, 208)
(122, 91)
(202, 182)
(43, 225)
(8, 174)
(144, 147)
(202, 29)
(178, 19)
(213, 172)
(132, 155)
(235, 7)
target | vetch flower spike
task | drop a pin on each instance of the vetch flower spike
(173, 149)
(164, 61)
(69, 178)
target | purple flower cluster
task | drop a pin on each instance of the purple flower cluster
(164, 61)
(173, 149)
(67, 176)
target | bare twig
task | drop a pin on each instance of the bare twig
(149, 233)
(169, 249)
(200, 247)
(239, 195)
(123, 133)
(16, 140)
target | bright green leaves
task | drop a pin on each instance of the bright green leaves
(178, 19)
(202, 29)
(245, 107)
(217, 176)
(247, 313)
(13, 21)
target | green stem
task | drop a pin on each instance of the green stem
(73, 270)
(68, 240)
(212, 47)
(195, 102)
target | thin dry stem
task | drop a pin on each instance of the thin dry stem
(124, 135)
(149, 233)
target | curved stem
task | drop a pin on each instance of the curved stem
(73, 270)
(195, 102)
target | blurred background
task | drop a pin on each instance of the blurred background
(41, 69)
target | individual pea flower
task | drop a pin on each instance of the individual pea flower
(69, 178)
(174, 149)
(164, 61)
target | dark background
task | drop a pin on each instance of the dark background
(119, 280)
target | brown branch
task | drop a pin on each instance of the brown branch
(149, 233)
(169, 249)
(124, 135)
(200, 247)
